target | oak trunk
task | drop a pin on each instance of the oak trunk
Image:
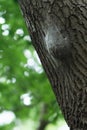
(58, 29)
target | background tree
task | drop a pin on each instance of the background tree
(21, 74)
(59, 33)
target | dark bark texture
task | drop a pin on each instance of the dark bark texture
(58, 29)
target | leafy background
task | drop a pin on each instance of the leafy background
(26, 98)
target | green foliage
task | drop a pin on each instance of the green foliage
(16, 76)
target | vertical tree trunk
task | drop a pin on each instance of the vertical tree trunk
(58, 29)
(42, 122)
(43, 125)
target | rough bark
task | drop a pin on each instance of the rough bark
(64, 57)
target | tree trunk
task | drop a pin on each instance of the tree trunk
(43, 125)
(58, 29)
(42, 122)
